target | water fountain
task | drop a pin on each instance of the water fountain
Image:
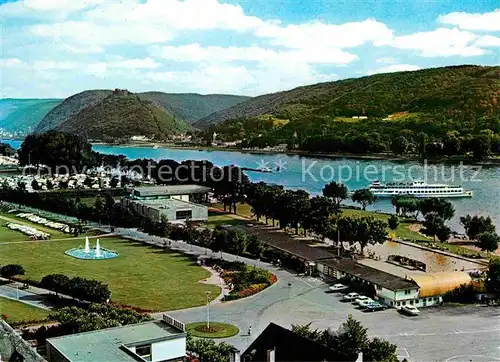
(88, 253)
(87, 245)
(98, 249)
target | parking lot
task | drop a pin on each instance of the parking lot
(437, 334)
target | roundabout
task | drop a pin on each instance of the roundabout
(214, 330)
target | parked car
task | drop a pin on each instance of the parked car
(350, 297)
(410, 309)
(372, 307)
(363, 303)
(360, 299)
(337, 288)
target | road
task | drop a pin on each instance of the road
(470, 333)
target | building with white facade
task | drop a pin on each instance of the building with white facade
(155, 341)
(420, 290)
(178, 202)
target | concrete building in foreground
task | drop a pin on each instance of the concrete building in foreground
(177, 202)
(155, 341)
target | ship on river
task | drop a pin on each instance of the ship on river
(417, 189)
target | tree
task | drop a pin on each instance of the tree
(379, 350)
(307, 332)
(475, 225)
(10, 270)
(400, 145)
(351, 338)
(61, 152)
(113, 183)
(337, 192)
(493, 277)
(434, 226)
(320, 210)
(207, 350)
(393, 222)
(255, 246)
(364, 197)
(55, 282)
(481, 146)
(35, 185)
(488, 241)
(440, 206)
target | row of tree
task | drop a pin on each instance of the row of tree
(479, 146)
(79, 288)
(320, 215)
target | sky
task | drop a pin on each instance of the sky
(56, 48)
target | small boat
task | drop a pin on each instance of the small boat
(417, 189)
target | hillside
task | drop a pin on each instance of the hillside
(70, 107)
(121, 115)
(188, 107)
(191, 106)
(471, 89)
(22, 115)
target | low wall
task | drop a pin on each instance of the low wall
(11, 342)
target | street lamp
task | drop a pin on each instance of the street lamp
(208, 309)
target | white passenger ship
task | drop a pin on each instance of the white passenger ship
(417, 189)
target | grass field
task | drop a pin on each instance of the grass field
(141, 276)
(18, 312)
(6, 218)
(224, 330)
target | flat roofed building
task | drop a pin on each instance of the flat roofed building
(163, 340)
(171, 209)
(176, 202)
(181, 192)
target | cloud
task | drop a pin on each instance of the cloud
(442, 42)
(216, 54)
(237, 79)
(473, 21)
(488, 41)
(321, 35)
(395, 68)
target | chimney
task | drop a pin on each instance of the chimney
(271, 355)
(234, 355)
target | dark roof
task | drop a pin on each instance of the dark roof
(288, 346)
(372, 275)
(284, 242)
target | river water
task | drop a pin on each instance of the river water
(311, 174)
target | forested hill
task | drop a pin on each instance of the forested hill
(20, 116)
(188, 107)
(472, 90)
(70, 107)
(121, 115)
(191, 106)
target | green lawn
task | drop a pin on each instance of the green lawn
(222, 219)
(222, 330)
(18, 312)
(140, 276)
(402, 231)
(10, 235)
(7, 218)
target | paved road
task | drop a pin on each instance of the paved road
(438, 334)
(24, 296)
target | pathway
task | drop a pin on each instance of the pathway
(23, 296)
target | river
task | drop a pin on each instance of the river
(311, 174)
